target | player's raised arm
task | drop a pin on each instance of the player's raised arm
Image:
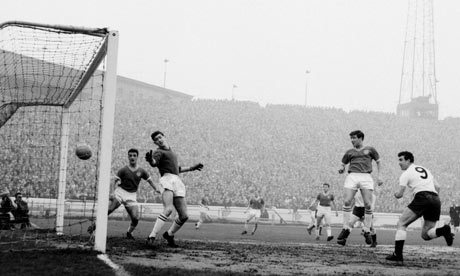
(379, 169)
(196, 167)
(342, 168)
(149, 158)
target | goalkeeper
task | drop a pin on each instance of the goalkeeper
(174, 190)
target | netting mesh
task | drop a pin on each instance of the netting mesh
(46, 73)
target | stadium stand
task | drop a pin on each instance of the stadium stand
(281, 150)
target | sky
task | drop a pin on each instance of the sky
(260, 50)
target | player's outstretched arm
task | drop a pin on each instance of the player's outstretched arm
(196, 167)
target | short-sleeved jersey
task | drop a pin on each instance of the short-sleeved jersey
(204, 201)
(166, 161)
(256, 203)
(130, 179)
(359, 201)
(360, 160)
(325, 199)
(417, 179)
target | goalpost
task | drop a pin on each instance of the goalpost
(57, 89)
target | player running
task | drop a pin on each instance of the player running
(174, 189)
(323, 202)
(425, 202)
(358, 216)
(313, 208)
(255, 209)
(127, 183)
(359, 159)
(204, 208)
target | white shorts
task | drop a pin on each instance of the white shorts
(204, 210)
(254, 213)
(324, 211)
(125, 197)
(173, 183)
(357, 181)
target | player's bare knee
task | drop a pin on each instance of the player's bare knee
(167, 211)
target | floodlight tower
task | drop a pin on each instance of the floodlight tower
(417, 93)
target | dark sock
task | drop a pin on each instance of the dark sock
(399, 247)
(374, 238)
(440, 231)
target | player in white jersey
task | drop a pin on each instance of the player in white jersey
(358, 216)
(425, 203)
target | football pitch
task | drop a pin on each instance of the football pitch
(220, 249)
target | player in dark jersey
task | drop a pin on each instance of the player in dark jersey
(324, 200)
(174, 189)
(255, 209)
(127, 183)
(359, 161)
(454, 213)
(425, 202)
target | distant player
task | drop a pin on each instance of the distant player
(174, 189)
(255, 209)
(454, 213)
(359, 161)
(313, 210)
(357, 216)
(324, 200)
(126, 184)
(425, 203)
(204, 208)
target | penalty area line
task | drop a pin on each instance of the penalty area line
(119, 270)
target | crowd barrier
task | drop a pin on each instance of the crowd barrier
(40, 207)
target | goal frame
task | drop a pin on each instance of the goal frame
(109, 51)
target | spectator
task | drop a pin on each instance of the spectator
(21, 213)
(6, 206)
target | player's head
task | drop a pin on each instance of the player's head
(158, 138)
(357, 137)
(132, 156)
(18, 195)
(326, 186)
(405, 158)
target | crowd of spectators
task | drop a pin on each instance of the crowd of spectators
(284, 151)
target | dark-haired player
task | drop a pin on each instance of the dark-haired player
(425, 203)
(324, 200)
(174, 189)
(359, 161)
(255, 209)
(127, 183)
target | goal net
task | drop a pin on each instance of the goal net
(53, 91)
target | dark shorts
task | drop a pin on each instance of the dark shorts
(426, 204)
(359, 212)
(455, 221)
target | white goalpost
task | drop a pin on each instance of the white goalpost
(57, 90)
